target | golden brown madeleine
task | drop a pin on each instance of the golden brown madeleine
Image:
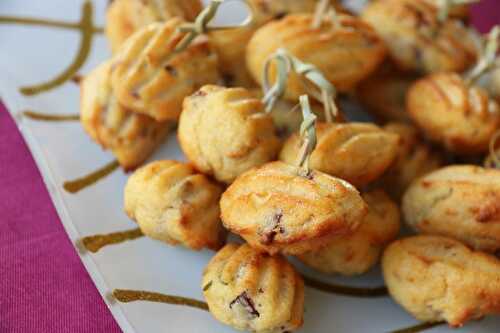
(225, 131)
(461, 201)
(356, 152)
(436, 278)
(417, 41)
(252, 291)
(276, 208)
(357, 253)
(414, 159)
(124, 17)
(130, 136)
(459, 116)
(150, 78)
(346, 54)
(172, 203)
(230, 45)
(384, 95)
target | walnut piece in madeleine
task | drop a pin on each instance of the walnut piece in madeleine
(130, 136)
(414, 159)
(150, 77)
(225, 131)
(345, 53)
(461, 201)
(436, 278)
(384, 95)
(459, 116)
(172, 203)
(252, 291)
(124, 17)
(417, 41)
(356, 152)
(357, 253)
(277, 208)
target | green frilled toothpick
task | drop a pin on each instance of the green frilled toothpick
(488, 59)
(307, 134)
(445, 7)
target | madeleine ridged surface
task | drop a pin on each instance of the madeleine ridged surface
(460, 117)
(384, 95)
(436, 278)
(356, 152)
(124, 17)
(130, 136)
(276, 208)
(461, 201)
(149, 77)
(252, 291)
(415, 158)
(225, 131)
(172, 203)
(345, 54)
(417, 41)
(357, 253)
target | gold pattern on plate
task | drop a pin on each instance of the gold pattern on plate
(345, 290)
(79, 184)
(96, 242)
(51, 116)
(126, 296)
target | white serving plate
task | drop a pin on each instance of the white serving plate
(62, 151)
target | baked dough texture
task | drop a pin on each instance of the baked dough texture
(356, 152)
(417, 41)
(225, 131)
(278, 208)
(439, 279)
(459, 116)
(461, 202)
(150, 77)
(172, 203)
(252, 291)
(357, 253)
(131, 137)
(124, 17)
(345, 54)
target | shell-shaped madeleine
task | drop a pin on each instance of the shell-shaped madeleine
(130, 136)
(277, 208)
(461, 201)
(345, 53)
(417, 41)
(461, 117)
(150, 77)
(384, 95)
(124, 17)
(225, 131)
(253, 291)
(357, 253)
(415, 158)
(438, 279)
(356, 152)
(172, 203)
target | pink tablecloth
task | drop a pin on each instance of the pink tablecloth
(44, 288)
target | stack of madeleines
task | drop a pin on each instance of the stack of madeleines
(426, 76)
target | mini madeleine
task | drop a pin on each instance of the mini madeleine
(252, 291)
(356, 152)
(172, 203)
(345, 53)
(124, 17)
(461, 202)
(439, 279)
(459, 116)
(414, 159)
(417, 41)
(278, 208)
(150, 77)
(131, 137)
(225, 131)
(357, 253)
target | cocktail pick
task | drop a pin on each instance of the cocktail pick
(446, 5)
(493, 159)
(488, 56)
(200, 25)
(307, 134)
